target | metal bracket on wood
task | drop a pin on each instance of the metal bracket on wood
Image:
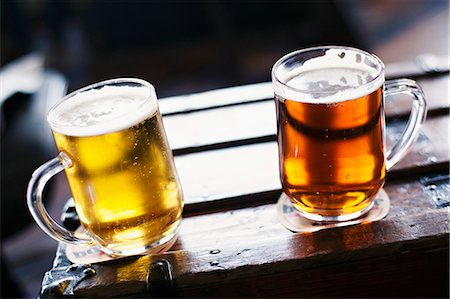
(65, 276)
(61, 281)
(160, 283)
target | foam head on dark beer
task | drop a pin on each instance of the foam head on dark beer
(330, 78)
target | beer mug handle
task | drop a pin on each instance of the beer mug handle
(416, 118)
(35, 191)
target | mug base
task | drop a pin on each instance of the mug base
(338, 218)
(157, 247)
(294, 221)
(91, 254)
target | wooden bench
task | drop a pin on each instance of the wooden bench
(231, 243)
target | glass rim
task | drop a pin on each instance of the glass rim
(107, 82)
(284, 58)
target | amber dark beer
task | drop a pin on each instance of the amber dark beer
(331, 164)
(330, 140)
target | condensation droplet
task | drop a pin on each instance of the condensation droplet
(433, 159)
(432, 187)
(214, 263)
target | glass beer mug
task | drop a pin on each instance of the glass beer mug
(114, 151)
(331, 126)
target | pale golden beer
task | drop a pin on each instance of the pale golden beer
(330, 130)
(119, 166)
(125, 190)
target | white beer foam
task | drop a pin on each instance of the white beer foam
(104, 110)
(330, 78)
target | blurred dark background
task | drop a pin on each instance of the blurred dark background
(51, 47)
(179, 46)
(187, 46)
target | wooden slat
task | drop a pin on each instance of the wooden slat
(263, 91)
(262, 253)
(431, 147)
(256, 122)
(424, 65)
(221, 125)
(251, 171)
(217, 229)
(216, 98)
(210, 270)
(436, 92)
